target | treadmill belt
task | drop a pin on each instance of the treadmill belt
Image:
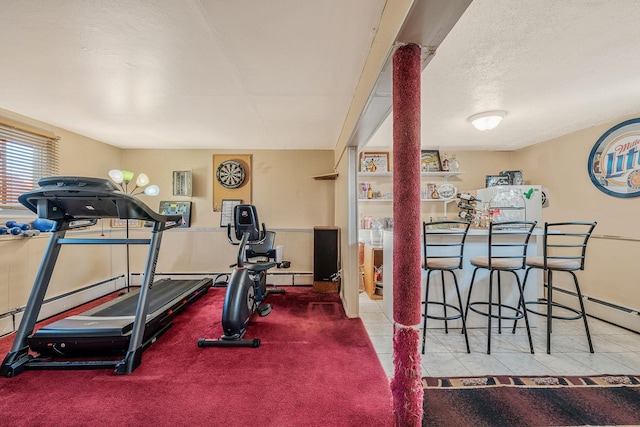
(161, 293)
(106, 329)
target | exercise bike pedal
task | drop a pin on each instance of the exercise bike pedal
(264, 310)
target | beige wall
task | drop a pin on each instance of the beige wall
(475, 165)
(291, 202)
(288, 201)
(283, 191)
(79, 155)
(560, 165)
(20, 257)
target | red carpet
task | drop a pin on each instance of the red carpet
(315, 367)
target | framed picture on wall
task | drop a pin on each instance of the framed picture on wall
(226, 211)
(430, 161)
(374, 161)
(182, 183)
(177, 208)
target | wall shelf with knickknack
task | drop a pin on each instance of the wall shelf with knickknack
(375, 206)
(376, 188)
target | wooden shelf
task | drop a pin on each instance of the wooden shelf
(326, 177)
(441, 174)
(375, 174)
(433, 174)
(422, 200)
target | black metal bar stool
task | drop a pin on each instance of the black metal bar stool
(507, 251)
(565, 245)
(443, 250)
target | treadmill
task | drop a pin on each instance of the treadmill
(124, 326)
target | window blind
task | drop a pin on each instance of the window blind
(25, 157)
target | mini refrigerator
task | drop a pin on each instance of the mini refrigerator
(531, 194)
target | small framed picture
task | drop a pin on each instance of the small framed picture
(122, 223)
(226, 216)
(515, 177)
(177, 208)
(494, 180)
(182, 183)
(374, 161)
(430, 161)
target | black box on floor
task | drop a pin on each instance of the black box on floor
(326, 258)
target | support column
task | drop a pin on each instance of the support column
(406, 385)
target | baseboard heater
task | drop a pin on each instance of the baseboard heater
(618, 315)
(10, 321)
(277, 277)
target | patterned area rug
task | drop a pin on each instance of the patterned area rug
(532, 401)
(604, 380)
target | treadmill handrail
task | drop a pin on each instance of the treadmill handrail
(103, 241)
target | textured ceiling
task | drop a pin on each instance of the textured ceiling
(554, 66)
(187, 73)
(281, 74)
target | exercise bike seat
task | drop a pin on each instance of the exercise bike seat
(259, 266)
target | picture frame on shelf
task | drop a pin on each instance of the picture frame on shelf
(430, 161)
(374, 161)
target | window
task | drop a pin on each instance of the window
(25, 157)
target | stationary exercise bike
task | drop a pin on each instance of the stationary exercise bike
(247, 285)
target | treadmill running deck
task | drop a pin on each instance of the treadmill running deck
(106, 329)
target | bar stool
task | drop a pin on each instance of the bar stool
(443, 250)
(507, 251)
(565, 245)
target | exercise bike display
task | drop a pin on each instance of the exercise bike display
(247, 286)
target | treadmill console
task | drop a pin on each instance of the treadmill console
(72, 198)
(76, 183)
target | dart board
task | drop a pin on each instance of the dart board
(231, 174)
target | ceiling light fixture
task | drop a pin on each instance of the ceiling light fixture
(487, 120)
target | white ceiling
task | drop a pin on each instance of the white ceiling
(187, 73)
(281, 74)
(555, 67)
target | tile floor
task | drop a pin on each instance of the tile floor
(617, 351)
